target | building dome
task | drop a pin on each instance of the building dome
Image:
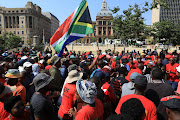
(104, 11)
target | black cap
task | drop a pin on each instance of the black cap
(83, 63)
(141, 80)
(172, 102)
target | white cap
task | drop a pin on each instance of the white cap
(41, 61)
(49, 55)
(178, 68)
(21, 69)
(24, 57)
(27, 64)
(103, 53)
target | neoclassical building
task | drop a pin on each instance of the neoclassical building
(28, 22)
(102, 26)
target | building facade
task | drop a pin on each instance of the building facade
(102, 26)
(172, 13)
(25, 22)
(54, 22)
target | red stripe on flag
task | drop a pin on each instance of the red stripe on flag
(61, 30)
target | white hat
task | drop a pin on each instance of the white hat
(24, 57)
(73, 76)
(49, 55)
(103, 53)
(178, 68)
(7, 90)
(41, 61)
(27, 64)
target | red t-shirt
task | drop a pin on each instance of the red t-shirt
(91, 113)
(109, 93)
(132, 71)
(150, 108)
(113, 64)
(172, 77)
(48, 67)
(132, 66)
(154, 58)
(21, 91)
(67, 99)
(3, 113)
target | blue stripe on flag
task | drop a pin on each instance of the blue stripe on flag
(69, 40)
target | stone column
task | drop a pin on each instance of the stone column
(107, 31)
(16, 24)
(27, 22)
(97, 31)
(111, 31)
(5, 21)
(8, 22)
(12, 22)
(102, 31)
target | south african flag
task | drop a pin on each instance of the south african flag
(76, 26)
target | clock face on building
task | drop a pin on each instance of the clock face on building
(104, 6)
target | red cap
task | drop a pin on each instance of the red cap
(148, 56)
(105, 70)
(87, 53)
(101, 56)
(168, 56)
(124, 57)
(83, 54)
(48, 67)
(63, 54)
(108, 56)
(134, 53)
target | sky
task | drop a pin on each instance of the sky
(63, 8)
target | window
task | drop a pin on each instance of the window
(18, 32)
(22, 32)
(100, 22)
(13, 11)
(109, 23)
(21, 10)
(104, 22)
(14, 32)
(99, 32)
(22, 22)
(17, 11)
(0, 32)
(22, 26)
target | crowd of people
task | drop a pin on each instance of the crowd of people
(107, 85)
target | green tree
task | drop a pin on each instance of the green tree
(130, 25)
(9, 40)
(163, 30)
